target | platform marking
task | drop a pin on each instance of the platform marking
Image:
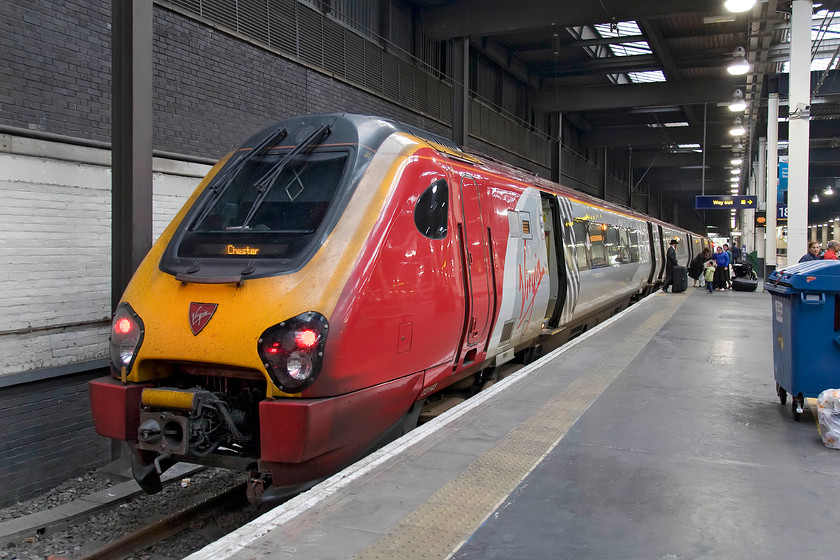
(322, 494)
(440, 526)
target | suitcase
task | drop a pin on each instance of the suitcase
(744, 284)
(680, 282)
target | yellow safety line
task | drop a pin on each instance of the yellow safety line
(438, 527)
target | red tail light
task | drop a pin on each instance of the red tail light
(292, 351)
(126, 337)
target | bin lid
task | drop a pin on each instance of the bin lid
(810, 276)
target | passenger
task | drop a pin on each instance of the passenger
(831, 251)
(670, 263)
(722, 262)
(709, 275)
(728, 275)
(695, 269)
(813, 253)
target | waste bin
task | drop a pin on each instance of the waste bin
(806, 330)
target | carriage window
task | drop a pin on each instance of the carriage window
(612, 244)
(432, 210)
(634, 246)
(582, 255)
(625, 246)
(597, 235)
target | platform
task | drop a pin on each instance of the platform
(656, 435)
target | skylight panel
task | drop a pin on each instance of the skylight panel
(623, 29)
(630, 49)
(816, 64)
(647, 77)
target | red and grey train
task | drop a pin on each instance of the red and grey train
(336, 272)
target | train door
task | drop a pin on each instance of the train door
(477, 262)
(552, 222)
(653, 239)
(660, 250)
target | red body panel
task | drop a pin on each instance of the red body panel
(115, 407)
(405, 285)
(322, 435)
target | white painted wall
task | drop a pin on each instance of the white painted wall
(55, 248)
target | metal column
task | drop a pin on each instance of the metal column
(460, 90)
(799, 128)
(761, 194)
(772, 181)
(131, 139)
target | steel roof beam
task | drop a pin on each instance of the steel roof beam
(495, 17)
(633, 95)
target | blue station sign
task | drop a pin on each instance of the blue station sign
(724, 202)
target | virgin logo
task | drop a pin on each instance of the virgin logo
(200, 315)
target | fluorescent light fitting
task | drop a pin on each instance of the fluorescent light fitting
(728, 18)
(736, 161)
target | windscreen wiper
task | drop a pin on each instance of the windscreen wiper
(264, 183)
(230, 173)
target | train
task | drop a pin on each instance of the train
(336, 273)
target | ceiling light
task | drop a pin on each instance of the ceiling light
(728, 18)
(737, 147)
(735, 179)
(736, 171)
(815, 198)
(739, 65)
(738, 104)
(739, 5)
(736, 161)
(828, 191)
(737, 130)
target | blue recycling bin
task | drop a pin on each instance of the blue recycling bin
(806, 330)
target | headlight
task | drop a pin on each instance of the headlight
(126, 337)
(292, 351)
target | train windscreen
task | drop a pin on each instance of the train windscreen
(270, 208)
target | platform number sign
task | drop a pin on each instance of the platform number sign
(781, 212)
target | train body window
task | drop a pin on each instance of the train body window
(431, 214)
(597, 235)
(612, 244)
(634, 246)
(581, 252)
(625, 253)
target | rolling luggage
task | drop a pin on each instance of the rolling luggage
(680, 279)
(744, 284)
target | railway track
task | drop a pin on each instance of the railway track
(159, 531)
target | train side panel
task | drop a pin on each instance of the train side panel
(402, 309)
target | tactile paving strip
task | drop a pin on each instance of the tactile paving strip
(437, 528)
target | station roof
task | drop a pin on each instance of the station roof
(650, 77)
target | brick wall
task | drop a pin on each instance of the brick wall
(48, 436)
